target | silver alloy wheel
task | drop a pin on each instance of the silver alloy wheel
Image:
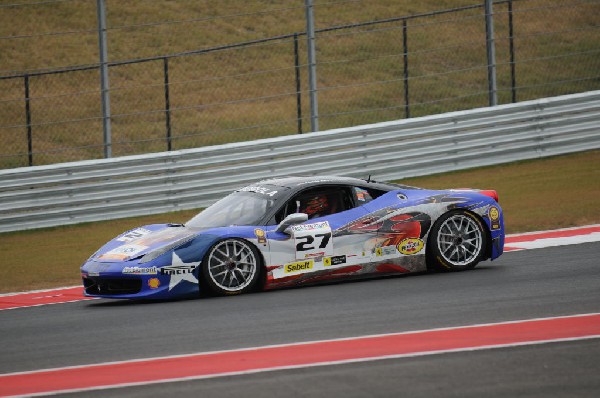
(460, 239)
(232, 265)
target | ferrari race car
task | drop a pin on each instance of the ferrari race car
(300, 230)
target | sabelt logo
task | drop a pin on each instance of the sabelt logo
(299, 266)
(410, 246)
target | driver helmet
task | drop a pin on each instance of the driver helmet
(317, 205)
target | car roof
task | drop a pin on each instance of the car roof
(298, 181)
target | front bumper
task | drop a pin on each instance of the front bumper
(107, 280)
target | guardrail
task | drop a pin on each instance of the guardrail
(69, 193)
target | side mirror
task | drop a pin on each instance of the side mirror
(292, 219)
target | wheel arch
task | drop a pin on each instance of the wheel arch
(262, 278)
(488, 234)
(486, 228)
(259, 255)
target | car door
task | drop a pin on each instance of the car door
(325, 244)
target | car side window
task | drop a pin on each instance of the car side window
(361, 195)
(366, 193)
(318, 202)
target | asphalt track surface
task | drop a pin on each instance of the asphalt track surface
(557, 281)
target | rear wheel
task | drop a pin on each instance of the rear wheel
(457, 242)
(232, 266)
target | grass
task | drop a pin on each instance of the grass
(223, 96)
(541, 194)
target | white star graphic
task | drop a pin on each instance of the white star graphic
(186, 276)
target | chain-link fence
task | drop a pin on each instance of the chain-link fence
(367, 71)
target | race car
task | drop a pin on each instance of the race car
(300, 230)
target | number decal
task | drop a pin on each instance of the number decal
(303, 246)
(313, 240)
(325, 239)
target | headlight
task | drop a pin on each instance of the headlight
(164, 249)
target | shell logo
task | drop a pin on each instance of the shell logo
(410, 246)
(153, 283)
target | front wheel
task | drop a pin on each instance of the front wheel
(457, 242)
(232, 266)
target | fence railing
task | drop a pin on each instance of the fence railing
(385, 69)
(69, 193)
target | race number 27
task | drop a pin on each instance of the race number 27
(313, 240)
(305, 243)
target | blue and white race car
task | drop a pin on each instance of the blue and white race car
(300, 230)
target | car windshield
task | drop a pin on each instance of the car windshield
(238, 208)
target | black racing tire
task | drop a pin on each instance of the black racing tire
(230, 267)
(457, 242)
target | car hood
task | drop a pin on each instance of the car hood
(140, 241)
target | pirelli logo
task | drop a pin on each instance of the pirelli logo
(298, 266)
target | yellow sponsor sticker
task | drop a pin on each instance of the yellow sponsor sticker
(327, 261)
(260, 235)
(410, 246)
(494, 213)
(298, 266)
(378, 252)
(494, 217)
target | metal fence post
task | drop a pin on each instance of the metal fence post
(104, 84)
(298, 92)
(491, 53)
(405, 49)
(312, 66)
(511, 41)
(28, 120)
(167, 103)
